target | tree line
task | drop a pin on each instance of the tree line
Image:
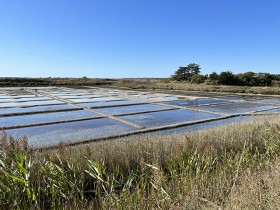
(191, 74)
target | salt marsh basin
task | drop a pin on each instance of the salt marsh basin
(49, 115)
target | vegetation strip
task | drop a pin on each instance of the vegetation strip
(234, 166)
(183, 87)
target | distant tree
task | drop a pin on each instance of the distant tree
(276, 80)
(213, 76)
(276, 77)
(186, 72)
(247, 78)
(264, 79)
(227, 78)
(180, 74)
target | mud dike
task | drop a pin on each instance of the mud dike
(49, 115)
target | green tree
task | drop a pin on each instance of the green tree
(197, 78)
(214, 76)
(186, 72)
(247, 78)
(264, 79)
(227, 78)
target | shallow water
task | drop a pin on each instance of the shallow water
(236, 108)
(235, 98)
(95, 99)
(106, 103)
(200, 126)
(18, 96)
(24, 105)
(41, 118)
(131, 109)
(88, 96)
(163, 118)
(39, 136)
(35, 109)
(16, 100)
(269, 101)
(196, 102)
(272, 111)
(30, 103)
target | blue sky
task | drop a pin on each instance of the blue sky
(137, 38)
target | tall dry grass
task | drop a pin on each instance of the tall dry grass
(185, 86)
(202, 169)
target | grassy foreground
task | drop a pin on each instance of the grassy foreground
(232, 167)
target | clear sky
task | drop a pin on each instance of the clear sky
(137, 38)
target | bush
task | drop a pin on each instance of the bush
(198, 78)
(227, 78)
(275, 83)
